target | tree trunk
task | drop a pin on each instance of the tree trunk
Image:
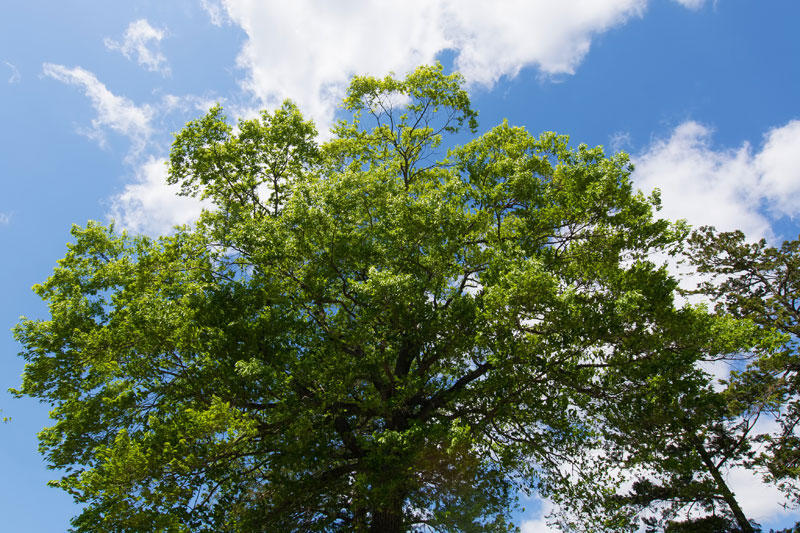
(388, 518)
(725, 492)
(387, 521)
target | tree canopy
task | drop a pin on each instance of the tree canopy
(381, 332)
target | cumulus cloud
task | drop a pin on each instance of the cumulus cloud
(15, 75)
(307, 50)
(140, 42)
(778, 169)
(150, 205)
(736, 188)
(113, 112)
(499, 39)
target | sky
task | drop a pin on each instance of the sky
(702, 94)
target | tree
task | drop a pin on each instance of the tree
(374, 334)
(748, 281)
(681, 437)
(761, 283)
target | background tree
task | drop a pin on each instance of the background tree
(679, 438)
(749, 281)
(372, 334)
(761, 283)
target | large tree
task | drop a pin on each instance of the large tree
(375, 333)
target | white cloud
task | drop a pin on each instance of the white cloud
(5, 219)
(216, 11)
(722, 187)
(152, 206)
(778, 168)
(116, 113)
(141, 40)
(148, 205)
(727, 188)
(500, 38)
(188, 103)
(308, 50)
(700, 184)
(760, 501)
(619, 141)
(303, 50)
(538, 525)
(692, 4)
(15, 75)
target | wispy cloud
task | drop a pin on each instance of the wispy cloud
(148, 205)
(113, 112)
(299, 49)
(141, 42)
(5, 219)
(216, 11)
(619, 141)
(730, 188)
(15, 75)
(187, 103)
(692, 4)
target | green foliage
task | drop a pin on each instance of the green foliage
(372, 334)
(251, 170)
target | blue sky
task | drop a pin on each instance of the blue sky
(702, 94)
